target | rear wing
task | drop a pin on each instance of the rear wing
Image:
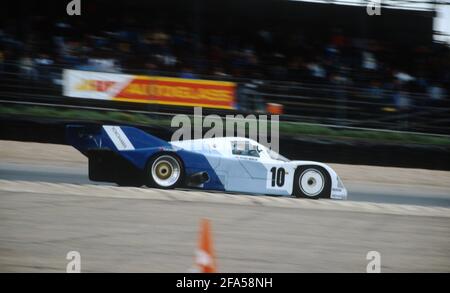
(117, 138)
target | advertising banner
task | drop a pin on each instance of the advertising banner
(149, 89)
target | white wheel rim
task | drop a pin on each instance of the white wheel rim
(311, 182)
(166, 171)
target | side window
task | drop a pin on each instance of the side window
(244, 148)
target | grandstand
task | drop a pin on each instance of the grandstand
(324, 63)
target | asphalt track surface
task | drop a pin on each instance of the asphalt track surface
(46, 211)
(357, 192)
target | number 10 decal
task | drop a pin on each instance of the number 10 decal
(278, 176)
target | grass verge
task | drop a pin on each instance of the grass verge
(286, 128)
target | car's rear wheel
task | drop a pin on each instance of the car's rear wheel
(312, 182)
(164, 171)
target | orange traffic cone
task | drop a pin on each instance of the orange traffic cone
(205, 258)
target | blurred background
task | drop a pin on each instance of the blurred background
(368, 95)
(332, 71)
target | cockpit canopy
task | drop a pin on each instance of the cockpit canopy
(251, 148)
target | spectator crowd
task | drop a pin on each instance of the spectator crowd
(336, 59)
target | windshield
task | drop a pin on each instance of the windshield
(244, 148)
(276, 156)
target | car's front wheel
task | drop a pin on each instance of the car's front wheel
(164, 171)
(312, 182)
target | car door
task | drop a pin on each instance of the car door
(245, 170)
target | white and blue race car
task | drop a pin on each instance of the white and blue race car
(131, 157)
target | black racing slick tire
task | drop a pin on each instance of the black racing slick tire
(312, 182)
(164, 171)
